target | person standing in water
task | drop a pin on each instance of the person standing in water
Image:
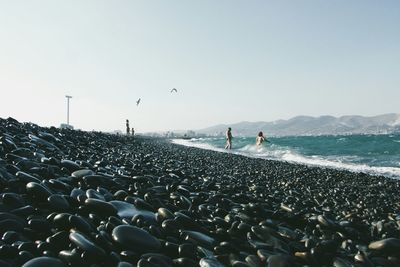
(133, 131)
(127, 127)
(228, 139)
(260, 139)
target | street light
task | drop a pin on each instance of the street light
(68, 97)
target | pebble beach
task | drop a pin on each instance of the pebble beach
(75, 198)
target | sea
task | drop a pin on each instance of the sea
(372, 154)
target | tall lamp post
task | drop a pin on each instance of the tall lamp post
(68, 97)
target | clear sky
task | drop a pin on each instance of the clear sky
(230, 60)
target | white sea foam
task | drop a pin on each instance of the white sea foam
(192, 143)
(274, 152)
(338, 164)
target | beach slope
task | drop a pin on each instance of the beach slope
(73, 198)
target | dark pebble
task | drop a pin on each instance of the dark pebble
(38, 191)
(44, 262)
(100, 207)
(389, 246)
(210, 262)
(85, 244)
(58, 203)
(134, 238)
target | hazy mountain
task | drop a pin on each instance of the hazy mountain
(306, 125)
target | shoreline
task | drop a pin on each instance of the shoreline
(388, 172)
(80, 198)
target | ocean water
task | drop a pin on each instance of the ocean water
(373, 154)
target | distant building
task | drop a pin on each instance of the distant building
(66, 126)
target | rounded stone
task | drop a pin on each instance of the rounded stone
(44, 262)
(90, 193)
(26, 178)
(135, 239)
(70, 165)
(11, 225)
(38, 191)
(80, 224)
(388, 245)
(210, 262)
(82, 173)
(280, 261)
(184, 262)
(85, 244)
(58, 202)
(100, 207)
(165, 214)
(203, 239)
(124, 264)
(128, 211)
(13, 200)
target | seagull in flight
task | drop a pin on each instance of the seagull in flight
(174, 90)
(137, 102)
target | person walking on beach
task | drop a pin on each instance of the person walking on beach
(228, 139)
(127, 127)
(260, 139)
(133, 131)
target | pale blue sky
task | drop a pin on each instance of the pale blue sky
(230, 60)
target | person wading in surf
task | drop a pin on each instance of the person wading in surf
(228, 139)
(260, 139)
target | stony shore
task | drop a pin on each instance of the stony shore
(72, 198)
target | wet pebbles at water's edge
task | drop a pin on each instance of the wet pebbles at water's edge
(72, 198)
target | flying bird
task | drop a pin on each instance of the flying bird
(137, 102)
(174, 90)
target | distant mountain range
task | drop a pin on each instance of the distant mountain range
(306, 125)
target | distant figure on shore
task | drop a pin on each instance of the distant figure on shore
(228, 139)
(133, 131)
(260, 139)
(127, 127)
